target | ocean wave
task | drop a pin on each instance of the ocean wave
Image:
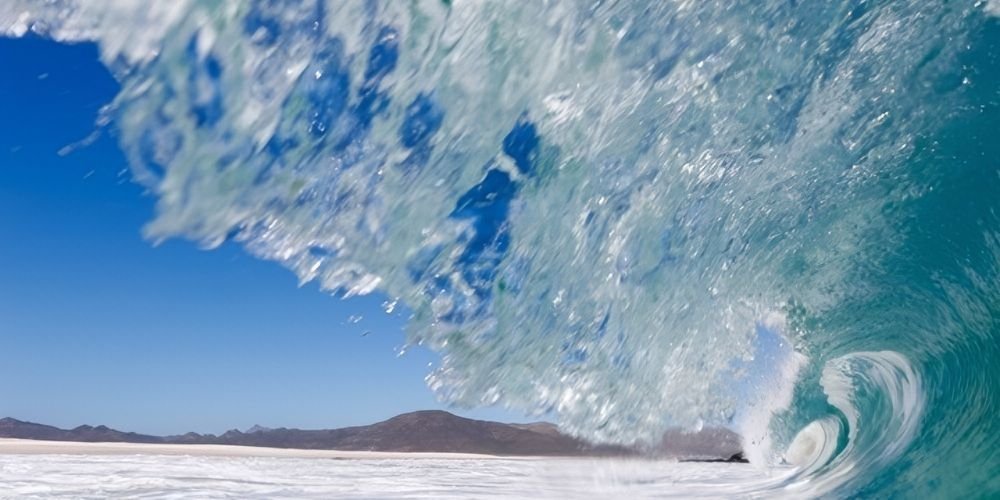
(634, 215)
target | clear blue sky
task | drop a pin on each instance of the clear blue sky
(98, 326)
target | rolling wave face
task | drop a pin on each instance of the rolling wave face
(885, 387)
(774, 215)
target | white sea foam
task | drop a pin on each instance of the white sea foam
(169, 477)
(775, 370)
(814, 445)
(993, 7)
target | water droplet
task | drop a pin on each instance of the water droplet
(390, 306)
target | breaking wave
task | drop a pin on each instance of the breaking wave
(777, 216)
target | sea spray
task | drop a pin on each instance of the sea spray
(595, 209)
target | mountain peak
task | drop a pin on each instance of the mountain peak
(419, 431)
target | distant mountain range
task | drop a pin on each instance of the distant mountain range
(421, 431)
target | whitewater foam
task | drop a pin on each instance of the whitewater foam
(161, 477)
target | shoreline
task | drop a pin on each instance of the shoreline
(11, 446)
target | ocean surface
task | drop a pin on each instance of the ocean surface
(779, 216)
(166, 477)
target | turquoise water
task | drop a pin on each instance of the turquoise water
(777, 216)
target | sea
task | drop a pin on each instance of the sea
(183, 477)
(777, 216)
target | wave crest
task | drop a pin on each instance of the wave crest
(591, 209)
(880, 399)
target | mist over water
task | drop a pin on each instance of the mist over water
(776, 216)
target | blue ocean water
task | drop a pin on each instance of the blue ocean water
(778, 216)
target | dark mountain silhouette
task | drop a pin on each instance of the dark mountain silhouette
(421, 431)
(12, 428)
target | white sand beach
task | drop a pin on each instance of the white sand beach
(36, 447)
